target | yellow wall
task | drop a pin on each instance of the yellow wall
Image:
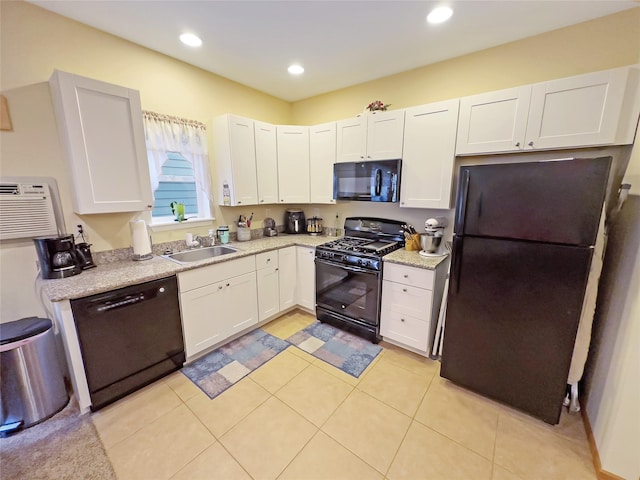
(599, 44)
(34, 42)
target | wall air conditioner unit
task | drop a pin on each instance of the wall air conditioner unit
(26, 211)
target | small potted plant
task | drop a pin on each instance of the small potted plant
(178, 210)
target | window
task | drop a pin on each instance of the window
(178, 166)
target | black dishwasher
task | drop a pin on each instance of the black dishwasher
(129, 338)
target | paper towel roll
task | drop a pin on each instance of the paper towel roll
(140, 237)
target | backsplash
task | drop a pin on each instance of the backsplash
(125, 254)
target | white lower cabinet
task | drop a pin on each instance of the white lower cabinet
(276, 276)
(306, 281)
(288, 277)
(216, 302)
(411, 298)
(267, 276)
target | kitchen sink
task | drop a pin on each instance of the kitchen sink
(200, 254)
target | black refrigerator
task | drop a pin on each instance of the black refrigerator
(521, 254)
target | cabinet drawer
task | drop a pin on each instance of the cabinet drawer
(199, 277)
(405, 329)
(267, 259)
(417, 277)
(413, 301)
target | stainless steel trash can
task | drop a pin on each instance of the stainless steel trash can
(32, 386)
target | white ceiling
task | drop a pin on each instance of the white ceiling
(339, 43)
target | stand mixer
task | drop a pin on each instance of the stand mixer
(431, 240)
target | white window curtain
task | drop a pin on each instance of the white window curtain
(165, 133)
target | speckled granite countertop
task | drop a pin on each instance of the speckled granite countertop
(110, 276)
(414, 259)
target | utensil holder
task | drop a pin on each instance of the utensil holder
(244, 234)
(413, 244)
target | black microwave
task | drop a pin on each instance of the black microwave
(372, 181)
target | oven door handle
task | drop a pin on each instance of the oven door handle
(349, 268)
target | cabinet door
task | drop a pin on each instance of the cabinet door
(576, 111)
(288, 277)
(266, 162)
(428, 155)
(493, 122)
(384, 135)
(235, 153)
(268, 292)
(322, 156)
(240, 308)
(202, 317)
(306, 285)
(351, 140)
(406, 314)
(101, 129)
(293, 163)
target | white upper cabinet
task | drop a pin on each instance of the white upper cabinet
(493, 122)
(101, 130)
(351, 139)
(428, 155)
(293, 163)
(586, 110)
(373, 136)
(598, 108)
(266, 162)
(384, 135)
(322, 156)
(235, 157)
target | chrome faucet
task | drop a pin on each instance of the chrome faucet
(195, 243)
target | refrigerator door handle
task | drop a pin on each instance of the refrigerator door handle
(457, 263)
(461, 207)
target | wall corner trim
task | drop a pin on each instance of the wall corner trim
(601, 474)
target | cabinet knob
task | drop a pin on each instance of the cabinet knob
(149, 206)
(219, 287)
(228, 284)
(517, 144)
(530, 143)
(282, 199)
(402, 319)
(404, 290)
(368, 156)
(406, 275)
(268, 259)
(277, 269)
(262, 201)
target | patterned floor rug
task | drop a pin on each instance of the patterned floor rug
(349, 353)
(218, 370)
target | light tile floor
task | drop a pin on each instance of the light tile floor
(298, 418)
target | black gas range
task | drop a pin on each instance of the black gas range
(349, 274)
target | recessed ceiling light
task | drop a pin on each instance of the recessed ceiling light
(295, 69)
(190, 39)
(439, 15)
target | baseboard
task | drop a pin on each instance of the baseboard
(602, 474)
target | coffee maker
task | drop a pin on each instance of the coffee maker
(57, 256)
(294, 221)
